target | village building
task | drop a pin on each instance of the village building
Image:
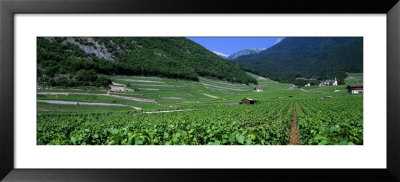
(307, 85)
(258, 89)
(329, 82)
(247, 101)
(355, 88)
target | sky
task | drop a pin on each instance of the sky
(230, 45)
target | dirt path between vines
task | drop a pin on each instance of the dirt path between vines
(294, 131)
(209, 95)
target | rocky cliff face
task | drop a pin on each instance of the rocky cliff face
(93, 47)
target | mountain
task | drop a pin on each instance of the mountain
(220, 54)
(308, 57)
(245, 52)
(89, 61)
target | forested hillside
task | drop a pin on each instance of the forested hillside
(83, 61)
(308, 57)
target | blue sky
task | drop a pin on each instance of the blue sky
(230, 45)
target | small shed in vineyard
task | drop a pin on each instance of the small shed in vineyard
(248, 101)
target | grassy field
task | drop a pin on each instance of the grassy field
(331, 88)
(354, 78)
(96, 91)
(169, 94)
(196, 113)
(45, 108)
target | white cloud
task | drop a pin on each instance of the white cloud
(220, 53)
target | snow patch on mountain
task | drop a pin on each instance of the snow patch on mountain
(220, 54)
(278, 40)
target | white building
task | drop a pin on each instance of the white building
(330, 82)
(355, 89)
(335, 83)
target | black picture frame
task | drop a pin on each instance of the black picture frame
(8, 8)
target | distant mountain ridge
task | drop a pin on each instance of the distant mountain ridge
(245, 52)
(88, 61)
(309, 57)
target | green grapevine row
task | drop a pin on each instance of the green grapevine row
(259, 124)
(331, 121)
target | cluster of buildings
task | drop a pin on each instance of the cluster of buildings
(352, 89)
(329, 82)
(325, 83)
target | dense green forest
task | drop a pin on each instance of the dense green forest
(83, 61)
(308, 57)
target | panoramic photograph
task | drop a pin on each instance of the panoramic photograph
(199, 91)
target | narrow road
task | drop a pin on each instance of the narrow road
(226, 88)
(294, 131)
(173, 98)
(105, 95)
(135, 99)
(150, 85)
(209, 95)
(84, 103)
(145, 81)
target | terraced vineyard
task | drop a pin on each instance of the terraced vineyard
(165, 111)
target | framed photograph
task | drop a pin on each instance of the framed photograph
(127, 90)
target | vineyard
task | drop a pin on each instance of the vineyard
(328, 122)
(250, 125)
(184, 91)
(198, 113)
